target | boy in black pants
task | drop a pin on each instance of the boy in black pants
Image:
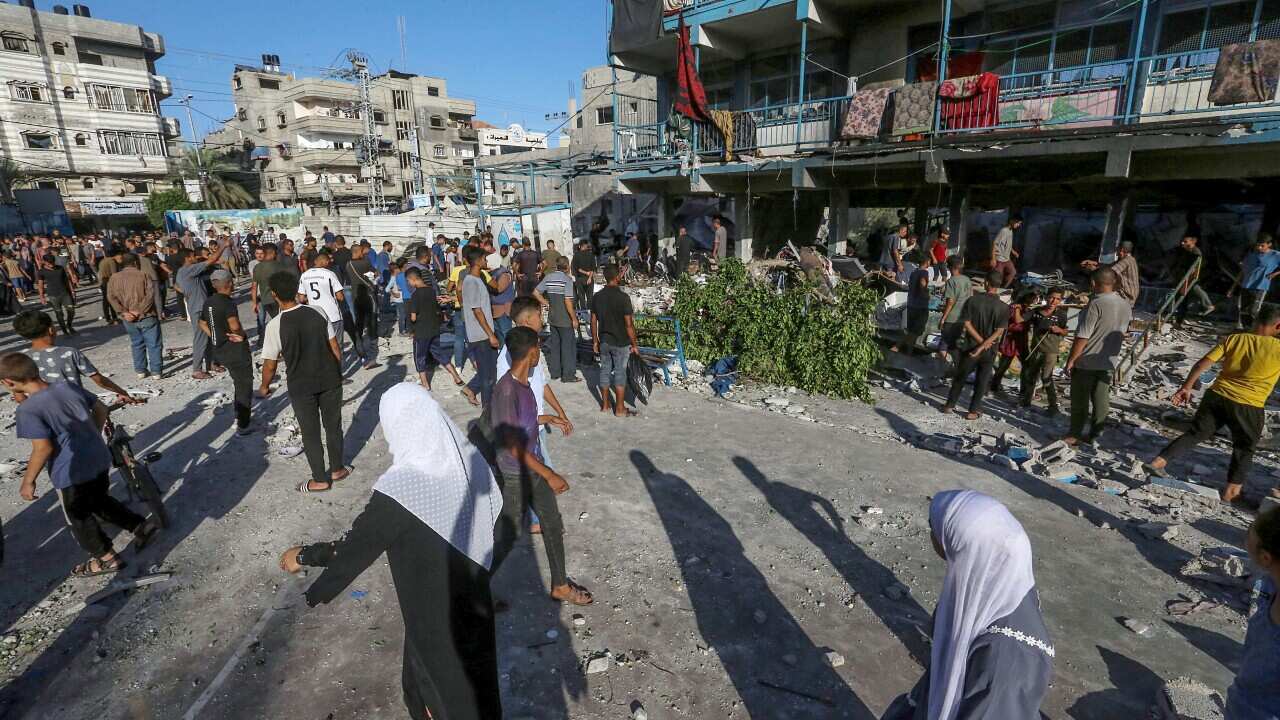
(220, 321)
(64, 424)
(985, 318)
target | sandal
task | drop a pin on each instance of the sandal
(337, 475)
(578, 595)
(87, 569)
(305, 487)
(145, 534)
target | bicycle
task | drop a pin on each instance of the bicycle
(136, 472)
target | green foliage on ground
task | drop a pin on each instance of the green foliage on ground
(790, 338)
(160, 201)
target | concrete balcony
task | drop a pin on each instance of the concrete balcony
(330, 123)
(161, 86)
(338, 189)
(316, 89)
(172, 127)
(153, 43)
(325, 157)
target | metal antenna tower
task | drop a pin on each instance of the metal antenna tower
(372, 168)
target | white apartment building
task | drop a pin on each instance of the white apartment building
(511, 140)
(80, 109)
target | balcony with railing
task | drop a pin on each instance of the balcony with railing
(1122, 96)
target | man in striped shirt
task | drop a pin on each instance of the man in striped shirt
(555, 292)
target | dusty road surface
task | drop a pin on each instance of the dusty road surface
(731, 548)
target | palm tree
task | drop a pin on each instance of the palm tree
(221, 192)
(11, 173)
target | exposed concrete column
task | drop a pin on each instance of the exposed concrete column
(1118, 210)
(838, 222)
(958, 220)
(742, 227)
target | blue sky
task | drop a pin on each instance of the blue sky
(518, 59)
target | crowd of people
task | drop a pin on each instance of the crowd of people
(453, 503)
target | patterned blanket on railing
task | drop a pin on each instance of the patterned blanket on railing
(865, 117)
(970, 102)
(913, 107)
(1246, 73)
(1085, 109)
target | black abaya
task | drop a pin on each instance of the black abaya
(450, 650)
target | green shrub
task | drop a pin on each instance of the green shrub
(789, 338)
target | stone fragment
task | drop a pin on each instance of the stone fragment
(579, 620)
(1158, 530)
(638, 712)
(1002, 461)
(833, 658)
(1206, 493)
(1186, 699)
(599, 664)
(1139, 627)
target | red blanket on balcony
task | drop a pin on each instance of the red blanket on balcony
(970, 102)
(691, 97)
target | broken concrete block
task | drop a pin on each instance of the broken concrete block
(1002, 461)
(599, 664)
(638, 712)
(833, 658)
(1207, 493)
(989, 441)
(777, 402)
(1056, 452)
(1139, 627)
(1187, 699)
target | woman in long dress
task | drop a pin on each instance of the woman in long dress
(992, 657)
(432, 512)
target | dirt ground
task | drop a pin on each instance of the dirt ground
(729, 548)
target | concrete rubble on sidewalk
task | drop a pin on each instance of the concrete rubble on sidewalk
(1186, 699)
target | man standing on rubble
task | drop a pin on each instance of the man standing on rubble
(1095, 353)
(1250, 368)
(1184, 257)
(1129, 281)
(985, 319)
(1259, 268)
(1002, 252)
(1048, 326)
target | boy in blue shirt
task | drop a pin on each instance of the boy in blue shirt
(64, 424)
(1256, 273)
(1255, 694)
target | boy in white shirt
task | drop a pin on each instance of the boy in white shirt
(321, 288)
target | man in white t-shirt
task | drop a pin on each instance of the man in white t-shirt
(321, 288)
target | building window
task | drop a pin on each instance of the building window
(437, 122)
(267, 84)
(281, 118)
(59, 48)
(271, 183)
(406, 188)
(69, 93)
(262, 123)
(82, 139)
(405, 160)
(237, 83)
(38, 141)
(28, 92)
(242, 115)
(379, 116)
(604, 115)
(400, 99)
(87, 183)
(47, 185)
(123, 142)
(433, 91)
(138, 187)
(578, 122)
(122, 99)
(438, 151)
(16, 43)
(89, 58)
(402, 130)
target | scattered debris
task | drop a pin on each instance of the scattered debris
(1139, 627)
(1186, 699)
(599, 663)
(833, 658)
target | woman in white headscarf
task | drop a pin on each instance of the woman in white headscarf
(991, 658)
(432, 513)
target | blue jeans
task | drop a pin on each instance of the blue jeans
(351, 299)
(144, 341)
(459, 341)
(402, 318)
(502, 326)
(485, 358)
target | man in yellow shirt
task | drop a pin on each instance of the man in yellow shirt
(1250, 367)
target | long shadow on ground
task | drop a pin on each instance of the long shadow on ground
(727, 590)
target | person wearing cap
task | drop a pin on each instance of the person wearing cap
(220, 321)
(1125, 268)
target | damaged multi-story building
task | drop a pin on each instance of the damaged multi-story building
(1096, 120)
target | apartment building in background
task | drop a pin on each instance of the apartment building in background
(80, 109)
(1097, 120)
(301, 134)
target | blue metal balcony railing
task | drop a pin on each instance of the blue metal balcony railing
(1158, 88)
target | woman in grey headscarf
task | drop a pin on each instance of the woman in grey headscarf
(432, 513)
(992, 657)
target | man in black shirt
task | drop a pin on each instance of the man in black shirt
(58, 290)
(684, 250)
(221, 322)
(341, 257)
(1180, 262)
(360, 277)
(584, 271)
(527, 262)
(304, 338)
(613, 336)
(985, 319)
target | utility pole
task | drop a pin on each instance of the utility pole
(372, 168)
(191, 127)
